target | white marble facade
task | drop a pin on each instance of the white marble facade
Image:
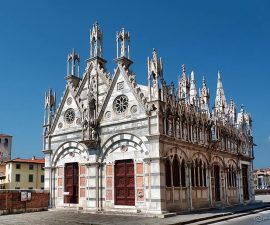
(177, 153)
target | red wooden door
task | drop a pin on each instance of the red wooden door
(245, 182)
(124, 182)
(71, 182)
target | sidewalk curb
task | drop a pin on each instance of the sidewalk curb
(222, 217)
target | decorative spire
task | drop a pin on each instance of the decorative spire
(96, 47)
(73, 70)
(183, 70)
(49, 107)
(205, 95)
(124, 38)
(155, 72)
(123, 47)
(203, 82)
(220, 101)
(232, 111)
(183, 85)
(155, 66)
(71, 64)
(193, 91)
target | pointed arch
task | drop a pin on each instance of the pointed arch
(201, 156)
(218, 160)
(122, 139)
(71, 148)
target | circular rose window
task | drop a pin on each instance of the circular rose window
(70, 116)
(120, 104)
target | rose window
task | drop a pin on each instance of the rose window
(121, 104)
(70, 116)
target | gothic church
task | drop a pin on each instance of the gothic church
(116, 145)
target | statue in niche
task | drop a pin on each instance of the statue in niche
(122, 48)
(170, 129)
(155, 86)
(85, 125)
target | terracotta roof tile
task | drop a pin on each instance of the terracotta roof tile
(27, 160)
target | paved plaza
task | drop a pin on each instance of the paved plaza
(57, 217)
(67, 216)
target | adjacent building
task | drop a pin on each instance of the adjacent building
(113, 144)
(24, 173)
(5, 147)
(262, 178)
(2, 175)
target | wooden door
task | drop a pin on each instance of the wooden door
(124, 182)
(217, 182)
(71, 183)
(245, 182)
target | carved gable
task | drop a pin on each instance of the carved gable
(68, 115)
(124, 99)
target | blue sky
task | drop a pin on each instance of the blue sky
(206, 36)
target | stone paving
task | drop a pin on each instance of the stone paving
(67, 216)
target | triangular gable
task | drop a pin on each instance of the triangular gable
(85, 78)
(59, 123)
(89, 70)
(123, 84)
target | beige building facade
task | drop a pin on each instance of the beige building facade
(116, 145)
(24, 174)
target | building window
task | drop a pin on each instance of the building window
(120, 104)
(17, 188)
(231, 176)
(199, 173)
(176, 172)
(70, 116)
(42, 166)
(42, 178)
(192, 175)
(30, 178)
(31, 166)
(6, 142)
(17, 177)
(168, 173)
(30, 188)
(196, 173)
(18, 166)
(183, 173)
